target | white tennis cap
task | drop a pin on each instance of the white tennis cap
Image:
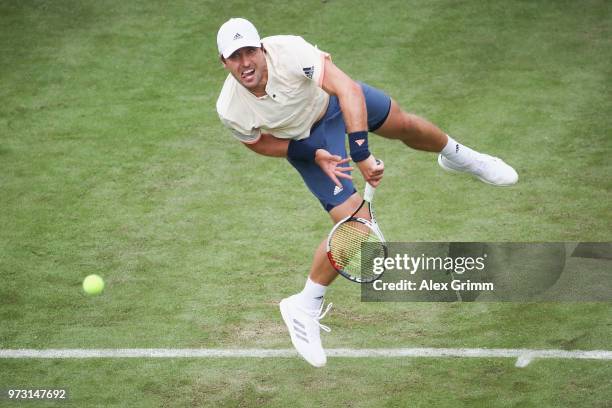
(236, 33)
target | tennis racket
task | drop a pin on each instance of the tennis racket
(354, 242)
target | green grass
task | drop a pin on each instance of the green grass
(285, 382)
(113, 161)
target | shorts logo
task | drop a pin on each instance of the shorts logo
(360, 142)
(308, 71)
(337, 190)
(237, 36)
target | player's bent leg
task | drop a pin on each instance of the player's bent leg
(303, 311)
(420, 134)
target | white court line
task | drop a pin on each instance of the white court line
(523, 356)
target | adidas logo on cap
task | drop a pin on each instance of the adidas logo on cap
(237, 36)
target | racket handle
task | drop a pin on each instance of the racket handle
(368, 193)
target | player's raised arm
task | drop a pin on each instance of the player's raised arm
(350, 96)
(353, 106)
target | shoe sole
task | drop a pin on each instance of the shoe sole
(451, 170)
(286, 319)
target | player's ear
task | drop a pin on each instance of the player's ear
(222, 61)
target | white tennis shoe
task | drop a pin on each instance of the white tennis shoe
(304, 329)
(489, 169)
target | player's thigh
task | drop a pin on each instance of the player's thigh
(396, 123)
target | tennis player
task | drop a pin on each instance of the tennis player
(283, 97)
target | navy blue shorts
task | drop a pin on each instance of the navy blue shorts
(330, 131)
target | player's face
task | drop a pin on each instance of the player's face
(248, 66)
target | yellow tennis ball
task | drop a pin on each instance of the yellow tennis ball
(93, 285)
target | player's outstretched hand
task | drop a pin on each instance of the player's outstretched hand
(331, 165)
(372, 170)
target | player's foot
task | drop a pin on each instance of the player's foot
(304, 330)
(489, 169)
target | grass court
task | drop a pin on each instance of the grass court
(113, 161)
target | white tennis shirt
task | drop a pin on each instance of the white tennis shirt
(294, 98)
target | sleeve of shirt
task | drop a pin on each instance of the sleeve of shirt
(248, 137)
(309, 61)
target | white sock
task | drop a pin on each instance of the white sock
(311, 297)
(458, 153)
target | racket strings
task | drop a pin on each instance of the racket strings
(354, 243)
